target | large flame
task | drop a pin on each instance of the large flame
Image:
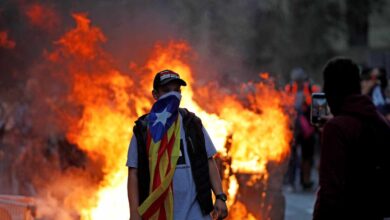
(108, 109)
(260, 133)
(111, 100)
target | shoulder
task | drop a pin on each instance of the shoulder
(344, 119)
(140, 125)
(142, 120)
(344, 125)
(189, 116)
(185, 112)
(143, 117)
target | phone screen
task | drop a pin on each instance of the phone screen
(319, 108)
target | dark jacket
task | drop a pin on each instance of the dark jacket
(354, 166)
(196, 152)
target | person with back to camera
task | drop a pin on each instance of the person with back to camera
(170, 161)
(354, 176)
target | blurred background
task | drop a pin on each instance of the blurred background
(227, 44)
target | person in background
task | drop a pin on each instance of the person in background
(170, 160)
(354, 181)
(304, 132)
(374, 84)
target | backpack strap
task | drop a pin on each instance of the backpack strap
(198, 158)
(194, 134)
(140, 132)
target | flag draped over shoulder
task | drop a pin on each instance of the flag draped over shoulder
(163, 147)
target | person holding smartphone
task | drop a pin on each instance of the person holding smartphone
(354, 180)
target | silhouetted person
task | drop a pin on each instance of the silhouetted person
(304, 132)
(354, 166)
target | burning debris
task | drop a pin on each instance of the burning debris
(82, 108)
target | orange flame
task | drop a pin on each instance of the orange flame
(42, 17)
(81, 42)
(110, 101)
(103, 129)
(173, 57)
(260, 133)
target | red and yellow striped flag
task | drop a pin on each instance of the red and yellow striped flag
(163, 151)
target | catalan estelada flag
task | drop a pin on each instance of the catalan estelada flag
(163, 147)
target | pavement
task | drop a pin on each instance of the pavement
(299, 204)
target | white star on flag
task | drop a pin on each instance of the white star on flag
(162, 117)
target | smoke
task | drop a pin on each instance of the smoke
(231, 39)
(221, 34)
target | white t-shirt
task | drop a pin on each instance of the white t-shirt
(185, 205)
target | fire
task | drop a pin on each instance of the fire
(239, 211)
(267, 119)
(265, 116)
(172, 57)
(111, 100)
(103, 135)
(82, 41)
(43, 17)
(260, 133)
(103, 128)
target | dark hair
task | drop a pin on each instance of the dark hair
(383, 77)
(365, 74)
(341, 77)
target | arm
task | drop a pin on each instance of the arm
(215, 179)
(132, 179)
(220, 208)
(132, 193)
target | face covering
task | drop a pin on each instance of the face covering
(163, 114)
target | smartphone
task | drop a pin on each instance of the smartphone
(319, 108)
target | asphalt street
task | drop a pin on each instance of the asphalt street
(299, 205)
